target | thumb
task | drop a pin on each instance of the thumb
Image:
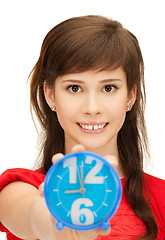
(41, 189)
(115, 163)
(112, 160)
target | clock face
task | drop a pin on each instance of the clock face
(82, 191)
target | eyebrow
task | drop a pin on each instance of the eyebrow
(111, 80)
(72, 81)
(101, 81)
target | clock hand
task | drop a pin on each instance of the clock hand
(73, 191)
(79, 176)
(82, 179)
(82, 176)
(81, 190)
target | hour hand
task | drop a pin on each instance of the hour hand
(81, 190)
(73, 191)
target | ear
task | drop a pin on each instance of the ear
(49, 96)
(131, 97)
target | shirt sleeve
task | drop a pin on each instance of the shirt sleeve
(34, 178)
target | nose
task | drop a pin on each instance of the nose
(92, 105)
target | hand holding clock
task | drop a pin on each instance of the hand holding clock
(70, 192)
(67, 233)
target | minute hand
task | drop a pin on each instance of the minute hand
(82, 176)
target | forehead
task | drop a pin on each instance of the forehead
(94, 74)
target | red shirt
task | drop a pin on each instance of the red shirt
(125, 225)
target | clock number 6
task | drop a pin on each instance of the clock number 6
(83, 216)
(90, 177)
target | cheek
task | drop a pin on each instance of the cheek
(120, 110)
(117, 111)
(65, 113)
(118, 117)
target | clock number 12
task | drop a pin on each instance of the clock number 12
(90, 177)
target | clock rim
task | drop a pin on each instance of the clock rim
(110, 213)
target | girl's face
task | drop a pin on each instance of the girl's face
(91, 108)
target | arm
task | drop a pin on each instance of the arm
(23, 211)
(18, 205)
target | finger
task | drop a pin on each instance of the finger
(92, 234)
(41, 189)
(57, 157)
(78, 148)
(103, 233)
(112, 160)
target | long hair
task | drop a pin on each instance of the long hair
(96, 43)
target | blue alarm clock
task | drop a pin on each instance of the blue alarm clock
(82, 191)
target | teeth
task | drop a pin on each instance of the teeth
(96, 127)
(93, 127)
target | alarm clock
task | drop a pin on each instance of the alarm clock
(82, 191)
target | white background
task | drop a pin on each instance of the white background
(23, 26)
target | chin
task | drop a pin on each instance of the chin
(93, 147)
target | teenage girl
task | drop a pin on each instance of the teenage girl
(88, 92)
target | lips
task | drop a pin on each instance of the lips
(92, 127)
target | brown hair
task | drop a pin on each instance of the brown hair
(89, 43)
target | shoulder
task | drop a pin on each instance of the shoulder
(34, 178)
(156, 187)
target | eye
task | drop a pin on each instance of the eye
(74, 88)
(109, 88)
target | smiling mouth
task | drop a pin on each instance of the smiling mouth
(92, 127)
